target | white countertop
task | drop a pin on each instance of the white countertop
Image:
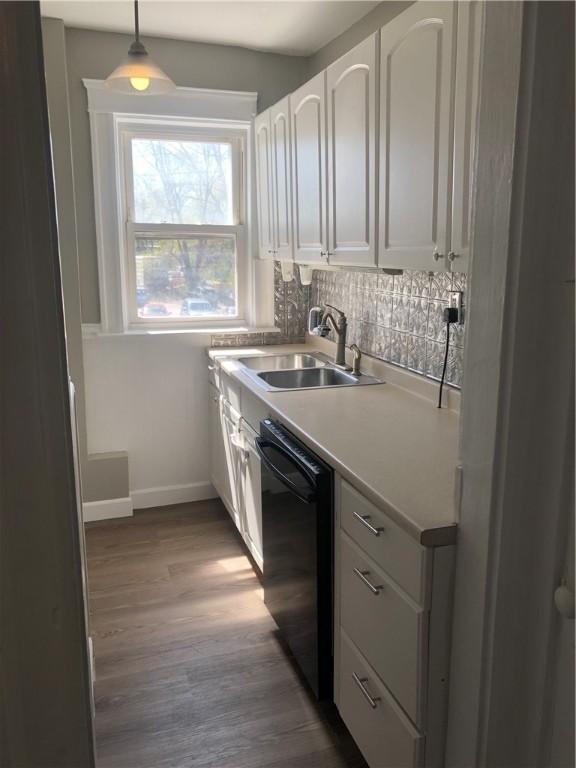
(389, 440)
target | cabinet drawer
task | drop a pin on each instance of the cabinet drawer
(386, 737)
(212, 373)
(387, 628)
(230, 389)
(391, 547)
(253, 410)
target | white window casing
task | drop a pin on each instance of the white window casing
(189, 113)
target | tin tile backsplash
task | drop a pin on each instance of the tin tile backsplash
(291, 303)
(398, 318)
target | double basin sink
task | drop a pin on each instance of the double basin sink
(300, 371)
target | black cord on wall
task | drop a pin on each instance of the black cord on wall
(445, 365)
(451, 315)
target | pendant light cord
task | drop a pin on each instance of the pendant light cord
(136, 22)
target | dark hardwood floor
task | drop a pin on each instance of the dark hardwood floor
(189, 671)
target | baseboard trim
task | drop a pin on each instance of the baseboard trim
(106, 509)
(172, 494)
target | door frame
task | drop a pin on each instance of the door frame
(45, 681)
(517, 408)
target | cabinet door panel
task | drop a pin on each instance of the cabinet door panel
(351, 86)
(252, 496)
(465, 112)
(233, 469)
(264, 185)
(281, 178)
(416, 118)
(308, 106)
(220, 478)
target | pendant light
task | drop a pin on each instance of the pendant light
(139, 74)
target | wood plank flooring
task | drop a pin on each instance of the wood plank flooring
(189, 670)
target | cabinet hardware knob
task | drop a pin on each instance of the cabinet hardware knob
(437, 255)
(362, 576)
(365, 520)
(361, 683)
(452, 256)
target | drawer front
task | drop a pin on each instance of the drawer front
(386, 543)
(230, 389)
(213, 373)
(384, 625)
(385, 736)
(253, 410)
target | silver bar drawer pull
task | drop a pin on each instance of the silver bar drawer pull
(361, 683)
(365, 520)
(362, 576)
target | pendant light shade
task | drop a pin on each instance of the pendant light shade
(138, 73)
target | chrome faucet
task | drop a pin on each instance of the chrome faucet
(339, 326)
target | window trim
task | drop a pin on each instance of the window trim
(127, 130)
(225, 112)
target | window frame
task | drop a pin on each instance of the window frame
(126, 131)
(230, 112)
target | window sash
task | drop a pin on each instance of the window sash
(168, 232)
(177, 133)
(132, 230)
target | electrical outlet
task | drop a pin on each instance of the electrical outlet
(457, 302)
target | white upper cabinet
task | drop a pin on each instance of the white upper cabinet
(264, 185)
(281, 179)
(351, 99)
(465, 112)
(308, 108)
(416, 129)
(371, 162)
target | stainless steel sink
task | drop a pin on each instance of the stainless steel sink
(283, 362)
(308, 378)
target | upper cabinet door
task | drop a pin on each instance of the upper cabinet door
(352, 99)
(416, 123)
(308, 108)
(281, 178)
(264, 185)
(465, 114)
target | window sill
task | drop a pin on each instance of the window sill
(91, 331)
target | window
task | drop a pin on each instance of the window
(185, 250)
(172, 206)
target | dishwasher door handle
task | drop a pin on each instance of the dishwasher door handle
(261, 444)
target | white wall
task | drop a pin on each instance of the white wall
(148, 395)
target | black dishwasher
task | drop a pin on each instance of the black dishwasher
(297, 539)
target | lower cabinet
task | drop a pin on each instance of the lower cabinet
(392, 629)
(220, 474)
(236, 470)
(251, 493)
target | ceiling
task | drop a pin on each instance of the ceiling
(295, 28)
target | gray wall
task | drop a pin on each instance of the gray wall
(93, 54)
(359, 31)
(53, 37)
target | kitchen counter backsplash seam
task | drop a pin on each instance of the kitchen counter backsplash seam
(396, 318)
